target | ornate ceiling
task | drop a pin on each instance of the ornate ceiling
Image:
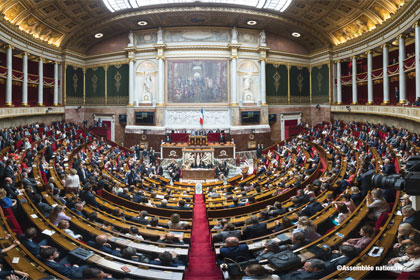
(72, 24)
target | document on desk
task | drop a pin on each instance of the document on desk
(34, 216)
(48, 232)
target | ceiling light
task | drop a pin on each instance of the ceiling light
(99, 35)
(296, 34)
(142, 23)
(251, 22)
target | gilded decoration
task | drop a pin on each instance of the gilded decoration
(94, 81)
(117, 79)
(319, 80)
(300, 81)
(75, 80)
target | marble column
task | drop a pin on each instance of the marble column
(131, 80)
(339, 94)
(354, 79)
(385, 74)
(370, 81)
(60, 86)
(161, 80)
(25, 79)
(8, 101)
(334, 87)
(262, 82)
(402, 89)
(417, 56)
(41, 82)
(55, 83)
(233, 98)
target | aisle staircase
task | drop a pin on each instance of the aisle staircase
(202, 258)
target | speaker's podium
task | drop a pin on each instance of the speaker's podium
(197, 140)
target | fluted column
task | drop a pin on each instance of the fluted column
(131, 79)
(41, 82)
(417, 57)
(262, 82)
(385, 63)
(233, 98)
(55, 83)
(60, 86)
(354, 79)
(339, 95)
(161, 86)
(401, 44)
(8, 101)
(25, 79)
(334, 86)
(370, 81)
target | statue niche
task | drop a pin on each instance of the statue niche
(248, 81)
(146, 83)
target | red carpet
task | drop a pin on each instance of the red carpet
(202, 258)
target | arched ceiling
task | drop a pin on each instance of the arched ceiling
(72, 24)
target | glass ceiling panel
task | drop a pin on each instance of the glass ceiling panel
(274, 5)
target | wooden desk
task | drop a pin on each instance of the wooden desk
(197, 140)
(198, 174)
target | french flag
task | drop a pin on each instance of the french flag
(202, 117)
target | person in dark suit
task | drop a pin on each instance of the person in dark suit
(101, 243)
(181, 205)
(141, 218)
(28, 181)
(78, 209)
(389, 168)
(167, 259)
(81, 172)
(233, 250)
(87, 196)
(346, 254)
(8, 171)
(27, 241)
(228, 231)
(124, 194)
(312, 208)
(49, 254)
(42, 206)
(255, 230)
(312, 269)
(276, 210)
(48, 151)
(411, 216)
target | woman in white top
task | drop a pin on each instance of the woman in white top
(72, 182)
(343, 213)
(117, 189)
(408, 263)
(377, 205)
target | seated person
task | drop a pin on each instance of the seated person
(411, 216)
(356, 196)
(285, 223)
(257, 271)
(176, 223)
(255, 230)
(27, 241)
(78, 209)
(308, 227)
(408, 263)
(170, 238)
(276, 210)
(346, 254)
(377, 205)
(167, 259)
(343, 214)
(49, 254)
(65, 226)
(228, 231)
(312, 208)
(133, 231)
(233, 249)
(141, 218)
(101, 243)
(366, 232)
(407, 236)
(271, 247)
(43, 207)
(298, 241)
(95, 274)
(236, 203)
(312, 269)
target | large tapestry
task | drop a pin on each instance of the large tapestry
(197, 81)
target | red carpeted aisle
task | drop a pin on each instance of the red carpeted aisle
(202, 258)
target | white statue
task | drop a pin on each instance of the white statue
(247, 81)
(234, 35)
(131, 38)
(160, 36)
(262, 38)
(147, 85)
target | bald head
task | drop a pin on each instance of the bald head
(101, 239)
(232, 241)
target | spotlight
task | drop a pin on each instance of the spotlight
(296, 34)
(142, 23)
(99, 35)
(251, 22)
